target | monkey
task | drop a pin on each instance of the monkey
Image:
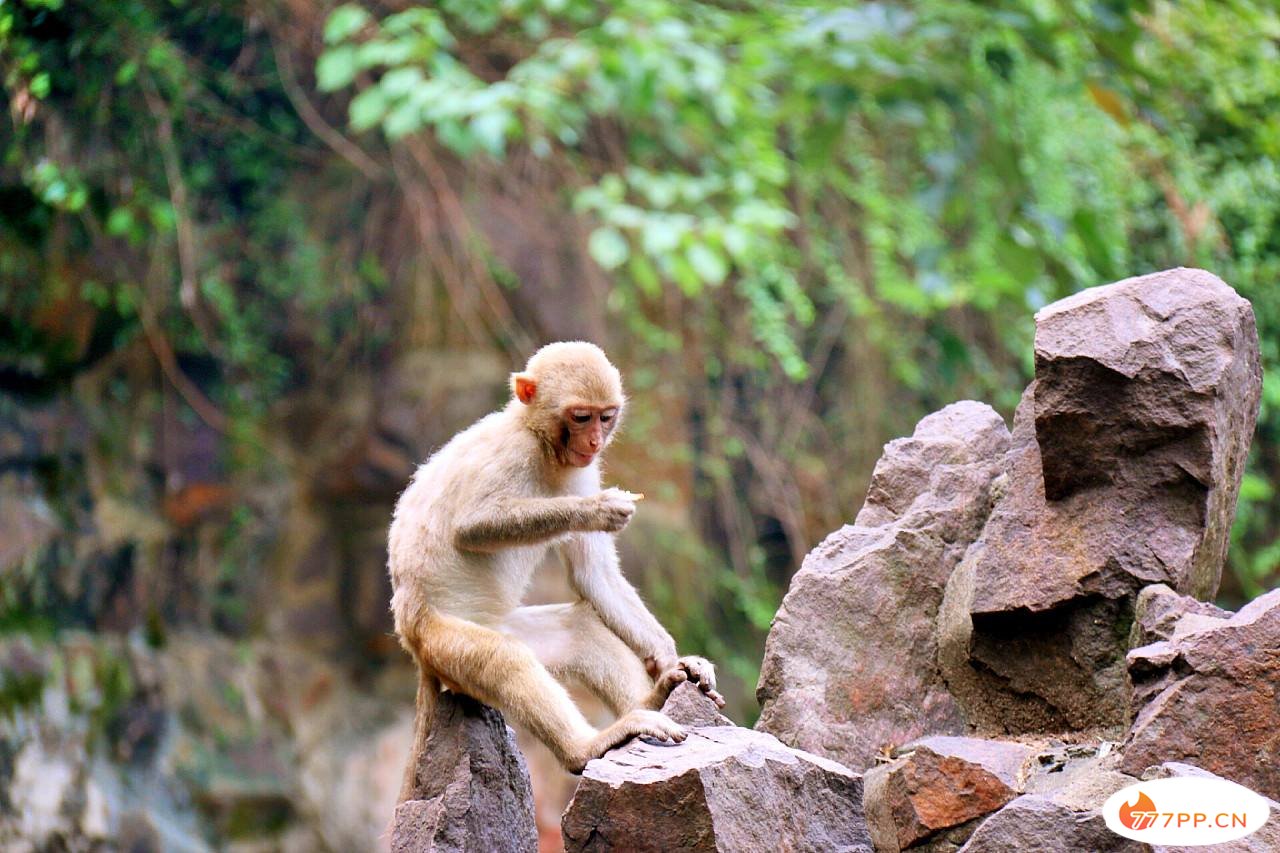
(466, 536)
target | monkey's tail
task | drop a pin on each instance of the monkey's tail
(428, 689)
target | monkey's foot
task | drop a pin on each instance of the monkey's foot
(638, 723)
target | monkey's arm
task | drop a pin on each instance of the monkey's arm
(511, 522)
(594, 573)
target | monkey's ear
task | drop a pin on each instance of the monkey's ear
(524, 386)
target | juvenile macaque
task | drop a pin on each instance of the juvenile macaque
(477, 520)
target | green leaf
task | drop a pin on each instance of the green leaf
(368, 108)
(608, 248)
(708, 263)
(659, 235)
(120, 222)
(403, 120)
(686, 277)
(345, 22)
(645, 276)
(336, 68)
(401, 81)
(490, 130)
(126, 73)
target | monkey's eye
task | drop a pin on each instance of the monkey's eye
(580, 417)
(605, 417)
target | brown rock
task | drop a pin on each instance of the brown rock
(724, 788)
(850, 665)
(1125, 464)
(1061, 810)
(943, 782)
(1033, 822)
(471, 786)
(689, 706)
(1160, 612)
(1210, 694)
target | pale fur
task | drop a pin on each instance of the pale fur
(468, 533)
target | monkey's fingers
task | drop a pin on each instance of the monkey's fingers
(713, 695)
(673, 677)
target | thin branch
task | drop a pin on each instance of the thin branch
(188, 290)
(310, 116)
(195, 398)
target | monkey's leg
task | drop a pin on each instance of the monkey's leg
(503, 672)
(574, 644)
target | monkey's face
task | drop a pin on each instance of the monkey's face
(585, 432)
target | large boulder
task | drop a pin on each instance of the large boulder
(1125, 464)
(1208, 670)
(470, 788)
(725, 788)
(850, 662)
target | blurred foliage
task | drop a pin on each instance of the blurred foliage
(882, 159)
(816, 221)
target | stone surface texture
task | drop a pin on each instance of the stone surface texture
(849, 665)
(471, 787)
(1061, 810)
(1034, 822)
(725, 788)
(1125, 464)
(1210, 694)
(941, 783)
(689, 706)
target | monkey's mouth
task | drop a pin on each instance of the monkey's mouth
(579, 460)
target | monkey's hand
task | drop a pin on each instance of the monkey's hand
(701, 672)
(611, 510)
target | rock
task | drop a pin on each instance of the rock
(1125, 463)
(1063, 789)
(1160, 613)
(689, 706)
(943, 782)
(28, 523)
(1033, 822)
(1265, 840)
(725, 788)
(1208, 671)
(849, 664)
(1062, 809)
(471, 787)
(1078, 776)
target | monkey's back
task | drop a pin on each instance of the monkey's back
(487, 461)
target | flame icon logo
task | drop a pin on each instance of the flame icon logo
(1140, 815)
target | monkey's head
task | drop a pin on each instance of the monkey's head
(571, 397)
